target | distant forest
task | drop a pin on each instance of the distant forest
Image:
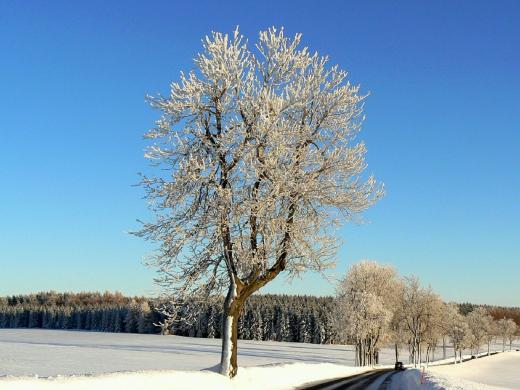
(265, 317)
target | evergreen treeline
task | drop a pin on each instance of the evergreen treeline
(86, 311)
(265, 317)
(272, 317)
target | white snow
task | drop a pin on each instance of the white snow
(129, 380)
(502, 370)
(227, 346)
(86, 360)
(411, 380)
(288, 376)
(56, 352)
(285, 376)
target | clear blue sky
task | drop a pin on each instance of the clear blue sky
(442, 132)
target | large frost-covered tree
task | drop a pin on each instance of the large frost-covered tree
(259, 163)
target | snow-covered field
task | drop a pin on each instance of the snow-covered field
(56, 352)
(176, 362)
(502, 370)
(251, 378)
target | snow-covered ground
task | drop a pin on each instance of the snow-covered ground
(86, 360)
(277, 377)
(501, 370)
(56, 352)
(75, 360)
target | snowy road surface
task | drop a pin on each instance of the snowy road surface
(375, 379)
(382, 379)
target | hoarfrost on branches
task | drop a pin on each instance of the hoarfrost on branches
(259, 165)
(365, 299)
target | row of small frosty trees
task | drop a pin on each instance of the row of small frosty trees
(375, 307)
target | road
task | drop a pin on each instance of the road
(376, 379)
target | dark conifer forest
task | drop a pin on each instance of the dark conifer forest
(265, 317)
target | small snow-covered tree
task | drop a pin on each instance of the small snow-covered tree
(364, 301)
(175, 312)
(433, 326)
(513, 333)
(420, 311)
(459, 331)
(468, 341)
(259, 163)
(444, 326)
(491, 332)
(399, 334)
(506, 329)
(479, 321)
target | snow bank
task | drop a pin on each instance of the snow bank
(454, 383)
(285, 376)
(497, 370)
(411, 380)
(122, 381)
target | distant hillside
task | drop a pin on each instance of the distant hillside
(497, 312)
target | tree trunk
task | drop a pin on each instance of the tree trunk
(396, 353)
(414, 352)
(360, 353)
(444, 347)
(455, 352)
(231, 314)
